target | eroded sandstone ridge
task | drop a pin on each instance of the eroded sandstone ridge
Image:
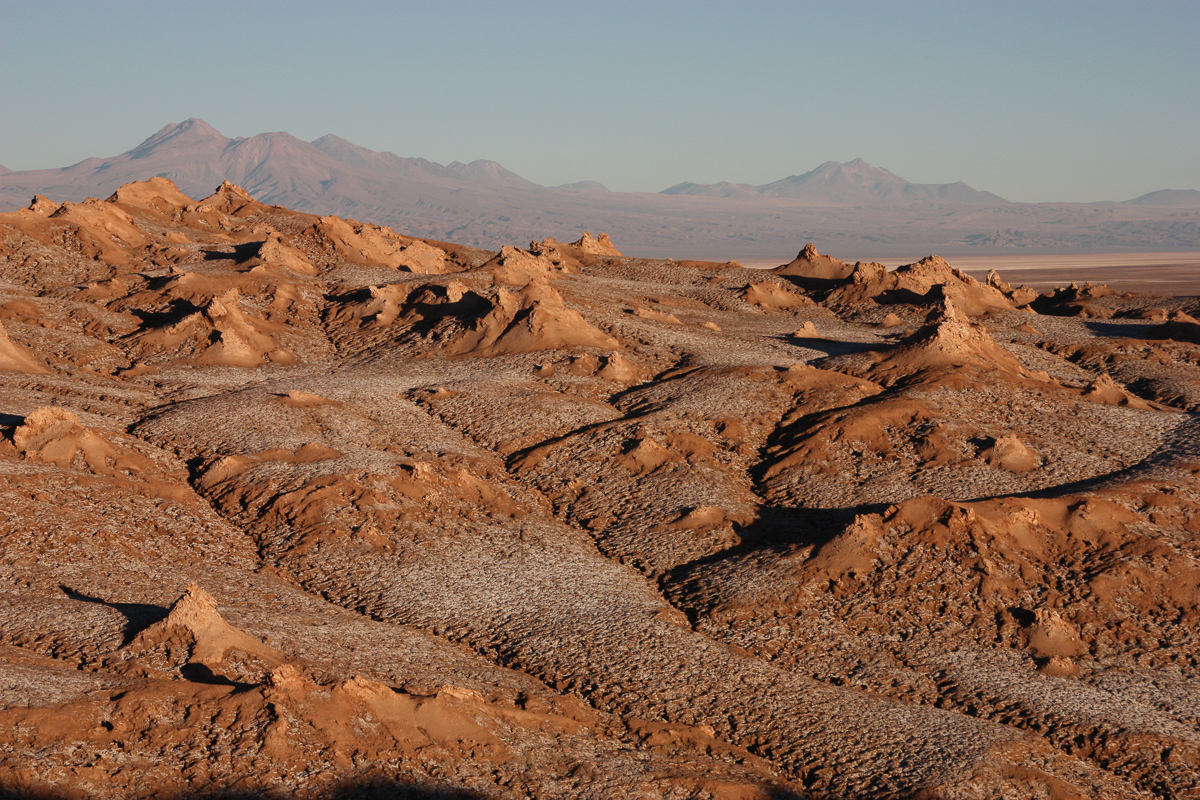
(296, 506)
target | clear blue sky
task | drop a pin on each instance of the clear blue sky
(1075, 101)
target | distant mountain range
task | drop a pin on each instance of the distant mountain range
(274, 167)
(855, 183)
(853, 208)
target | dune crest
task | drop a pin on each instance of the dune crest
(517, 267)
(371, 245)
(812, 266)
(54, 435)
(600, 246)
(948, 342)
(217, 333)
(230, 200)
(156, 195)
(536, 319)
(195, 631)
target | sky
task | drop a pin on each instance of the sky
(1046, 101)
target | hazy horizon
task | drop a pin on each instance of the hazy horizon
(1073, 102)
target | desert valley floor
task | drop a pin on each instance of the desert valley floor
(294, 506)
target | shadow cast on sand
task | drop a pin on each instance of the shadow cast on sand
(774, 531)
(778, 531)
(241, 253)
(176, 312)
(831, 347)
(1118, 330)
(1180, 450)
(138, 616)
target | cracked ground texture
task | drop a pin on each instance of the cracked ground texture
(294, 506)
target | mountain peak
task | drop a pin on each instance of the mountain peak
(332, 140)
(191, 127)
(189, 133)
(488, 171)
(278, 137)
(853, 183)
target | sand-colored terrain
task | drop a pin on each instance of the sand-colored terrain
(296, 506)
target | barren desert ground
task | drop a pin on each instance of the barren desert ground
(1173, 273)
(1164, 273)
(298, 507)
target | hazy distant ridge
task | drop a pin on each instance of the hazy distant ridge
(853, 207)
(854, 183)
(1183, 198)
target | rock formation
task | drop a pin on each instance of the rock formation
(295, 505)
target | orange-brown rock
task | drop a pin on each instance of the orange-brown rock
(287, 511)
